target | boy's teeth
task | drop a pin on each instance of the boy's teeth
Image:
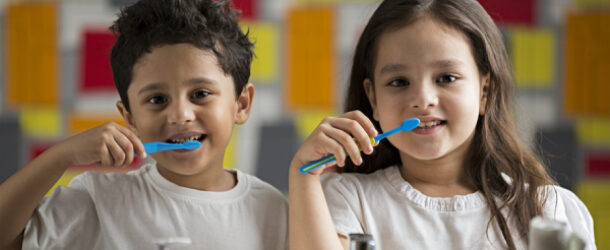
(183, 140)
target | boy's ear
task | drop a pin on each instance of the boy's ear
(484, 91)
(369, 88)
(244, 103)
(126, 115)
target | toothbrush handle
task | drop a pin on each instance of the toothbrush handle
(317, 163)
(326, 159)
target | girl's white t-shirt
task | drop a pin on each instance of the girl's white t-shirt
(399, 216)
(137, 209)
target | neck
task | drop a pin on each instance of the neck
(442, 177)
(215, 179)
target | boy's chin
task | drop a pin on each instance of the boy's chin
(183, 167)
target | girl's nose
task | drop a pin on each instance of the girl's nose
(180, 112)
(424, 96)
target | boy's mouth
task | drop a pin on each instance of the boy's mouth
(185, 138)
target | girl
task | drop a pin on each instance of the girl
(462, 179)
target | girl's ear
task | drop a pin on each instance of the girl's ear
(369, 88)
(244, 103)
(484, 90)
(126, 116)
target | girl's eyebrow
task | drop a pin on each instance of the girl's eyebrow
(442, 64)
(450, 63)
(390, 68)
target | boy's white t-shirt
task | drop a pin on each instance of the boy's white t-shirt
(399, 216)
(137, 209)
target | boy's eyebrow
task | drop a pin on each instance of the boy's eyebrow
(160, 85)
(200, 80)
(152, 86)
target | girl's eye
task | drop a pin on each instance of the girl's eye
(199, 94)
(398, 83)
(446, 79)
(157, 99)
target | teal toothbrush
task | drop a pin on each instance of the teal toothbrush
(406, 125)
(155, 147)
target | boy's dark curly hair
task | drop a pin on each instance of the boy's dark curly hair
(206, 24)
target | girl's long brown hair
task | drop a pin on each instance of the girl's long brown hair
(496, 147)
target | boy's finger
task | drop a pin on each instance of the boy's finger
(116, 152)
(127, 147)
(138, 147)
(105, 157)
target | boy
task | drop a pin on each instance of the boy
(181, 68)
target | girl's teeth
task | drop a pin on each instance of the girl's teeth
(428, 124)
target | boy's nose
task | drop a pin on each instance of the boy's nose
(180, 113)
(424, 96)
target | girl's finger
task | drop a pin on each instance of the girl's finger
(364, 121)
(345, 142)
(355, 129)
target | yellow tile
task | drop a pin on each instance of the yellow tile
(32, 60)
(595, 195)
(265, 63)
(593, 131)
(79, 122)
(310, 68)
(229, 161)
(306, 121)
(533, 57)
(41, 122)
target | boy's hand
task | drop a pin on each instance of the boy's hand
(109, 144)
(336, 135)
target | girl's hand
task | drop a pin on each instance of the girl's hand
(336, 135)
(109, 144)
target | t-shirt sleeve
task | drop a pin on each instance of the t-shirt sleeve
(565, 206)
(64, 220)
(342, 204)
(578, 217)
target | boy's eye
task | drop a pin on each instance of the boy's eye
(157, 99)
(398, 83)
(446, 79)
(199, 94)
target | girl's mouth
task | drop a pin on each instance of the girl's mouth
(431, 124)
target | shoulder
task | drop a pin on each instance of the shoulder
(356, 182)
(562, 201)
(563, 205)
(261, 189)
(95, 180)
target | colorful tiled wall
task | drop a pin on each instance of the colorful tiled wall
(56, 81)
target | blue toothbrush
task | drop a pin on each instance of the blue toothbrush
(406, 125)
(154, 147)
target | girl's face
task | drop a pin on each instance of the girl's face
(427, 70)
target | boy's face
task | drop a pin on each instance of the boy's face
(179, 93)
